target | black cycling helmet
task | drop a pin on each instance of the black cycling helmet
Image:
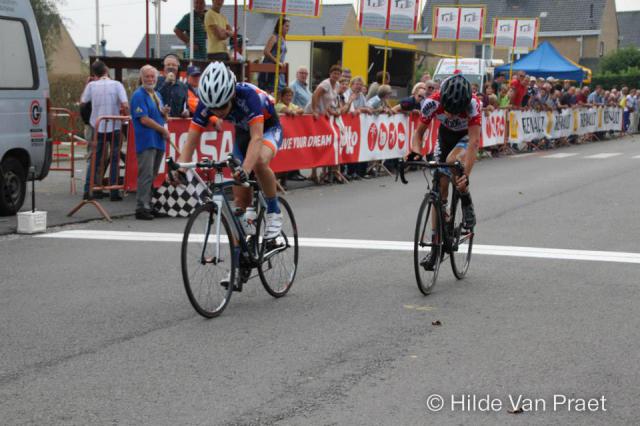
(455, 94)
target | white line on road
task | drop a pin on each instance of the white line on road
(559, 155)
(637, 156)
(603, 155)
(511, 251)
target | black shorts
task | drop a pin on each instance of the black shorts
(447, 141)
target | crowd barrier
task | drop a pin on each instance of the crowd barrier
(525, 126)
(330, 141)
(63, 134)
(108, 155)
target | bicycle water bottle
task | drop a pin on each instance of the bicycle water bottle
(249, 221)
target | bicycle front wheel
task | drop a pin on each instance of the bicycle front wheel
(427, 246)
(461, 240)
(278, 261)
(208, 263)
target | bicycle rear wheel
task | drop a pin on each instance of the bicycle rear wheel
(461, 240)
(427, 246)
(208, 263)
(278, 260)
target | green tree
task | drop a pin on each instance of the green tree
(49, 23)
(621, 60)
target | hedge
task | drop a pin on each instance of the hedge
(630, 79)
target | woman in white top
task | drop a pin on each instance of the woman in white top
(325, 97)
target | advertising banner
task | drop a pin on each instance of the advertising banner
(525, 126)
(452, 23)
(494, 128)
(516, 33)
(308, 8)
(352, 138)
(390, 15)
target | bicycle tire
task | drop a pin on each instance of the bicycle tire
(423, 239)
(461, 240)
(270, 263)
(203, 279)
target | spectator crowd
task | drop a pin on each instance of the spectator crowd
(163, 95)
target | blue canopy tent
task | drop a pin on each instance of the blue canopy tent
(545, 61)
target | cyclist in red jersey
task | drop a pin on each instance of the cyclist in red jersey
(460, 116)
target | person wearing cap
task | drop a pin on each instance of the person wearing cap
(193, 79)
(532, 92)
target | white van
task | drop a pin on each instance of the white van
(24, 98)
(475, 70)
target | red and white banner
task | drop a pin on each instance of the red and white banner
(390, 15)
(309, 8)
(309, 143)
(514, 33)
(453, 23)
(494, 128)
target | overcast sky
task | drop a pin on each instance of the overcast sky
(125, 19)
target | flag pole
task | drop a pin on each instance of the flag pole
(276, 81)
(191, 30)
(386, 49)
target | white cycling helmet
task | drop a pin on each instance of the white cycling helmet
(217, 85)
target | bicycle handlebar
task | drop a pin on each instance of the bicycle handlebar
(402, 164)
(230, 163)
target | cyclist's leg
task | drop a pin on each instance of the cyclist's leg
(242, 196)
(272, 139)
(458, 154)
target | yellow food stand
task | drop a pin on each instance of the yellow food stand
(363, 55)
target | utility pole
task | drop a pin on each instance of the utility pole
(97, 50)
(103, 41)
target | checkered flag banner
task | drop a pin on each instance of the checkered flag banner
(178, 201)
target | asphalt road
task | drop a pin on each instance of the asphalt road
(101, 332)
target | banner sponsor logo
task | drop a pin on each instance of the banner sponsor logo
(494, 128)
(612, 116)
(533, 125)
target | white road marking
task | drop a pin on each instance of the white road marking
(559, 155)
(528, 154)
(491, 250)
(603, 155)
(636, 156)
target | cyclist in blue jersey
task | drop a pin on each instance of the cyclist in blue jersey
(258, 134)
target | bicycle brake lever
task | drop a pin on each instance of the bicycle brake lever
(171, 164)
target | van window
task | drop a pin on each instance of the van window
(16, 56)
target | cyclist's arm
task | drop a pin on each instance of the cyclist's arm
(472, 148)
(193, 138)
(418, 135)
(256, 130)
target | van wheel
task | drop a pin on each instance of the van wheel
(13, 186)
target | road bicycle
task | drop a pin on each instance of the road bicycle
(218, 256)
(438, 234)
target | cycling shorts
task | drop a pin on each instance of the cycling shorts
(271, 138)
(448, 140)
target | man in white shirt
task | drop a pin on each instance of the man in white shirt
(108, 98)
